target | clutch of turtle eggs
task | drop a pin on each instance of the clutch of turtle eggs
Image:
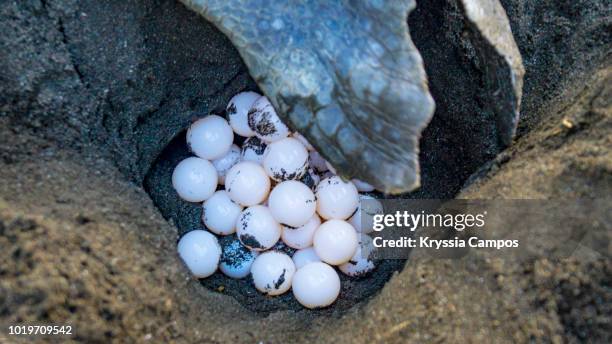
(273, 197)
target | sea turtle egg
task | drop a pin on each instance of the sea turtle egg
(194, 179)
(236, 260)
(311, 179)
(247, 183)
(257, 229)
(238, 112)
(264, 121)
(253, 150)
(210, 137)
(286, 159)
(200, 251)
(360, 264)
(316, 285)
(301, 237)
(220, 213)
(303, 140)
(336, 199)
(305, 256)
(362, 186)
(292, 203)
(317, 162)
(363, 219)
(273, 272)
(335, 242)
(224, 163)
(282, 247)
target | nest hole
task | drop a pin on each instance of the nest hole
(459, 140)
(187, 217)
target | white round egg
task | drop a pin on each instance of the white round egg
(210, 137)
(363, 219)
(361, 263)
(362, 186)
(305, 256)
(336, 199)
(247, 183)
(335, 242)
(273, 272)
(236, 259)
(257, 229)
(201, 252)
(224, 163)
(253, 150)
(316, 285)
(238, 112)
(220, 213)
(264, 121)
(286, 159)
(317, 162)
(292, 203)
(303, 140)
(301, 237)
(194, 179)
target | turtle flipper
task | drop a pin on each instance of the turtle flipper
(343, 73)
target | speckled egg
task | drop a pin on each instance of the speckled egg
(363, 219)
(247, 183)
(311, 179)
(273, 272)
(336, 199)
(253, 150)
(361, 263)
(286, 159)
(317, 162)
(301, 237)
(220, 213)
(238, 112)
(236, 259)
(282, 247)
(224, 163)
(257, 229)
(264, 121)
